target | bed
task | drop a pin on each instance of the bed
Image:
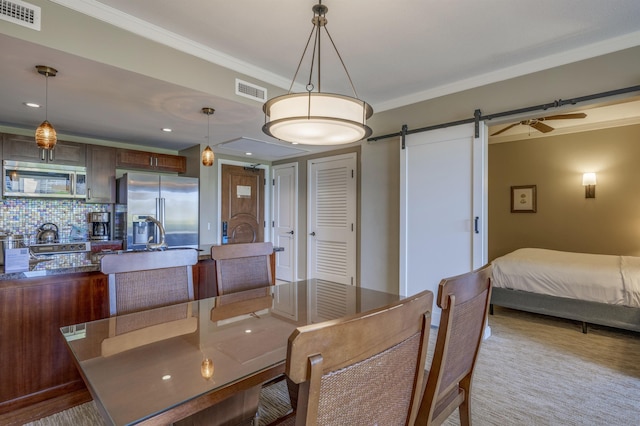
(590, 288)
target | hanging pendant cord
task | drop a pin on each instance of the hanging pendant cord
(46, 97)
(319, 22)
(304, 52)
(355, 94)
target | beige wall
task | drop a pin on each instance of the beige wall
(565, 219)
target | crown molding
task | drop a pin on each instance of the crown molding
(160, 35)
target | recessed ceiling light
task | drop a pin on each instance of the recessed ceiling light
(32, 105)
(166, 377)
(166, 129)
(248, 153)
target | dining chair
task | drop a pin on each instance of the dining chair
(363, 369)
(148, 279)
(241, 267)
(141, 281)
(464, 300)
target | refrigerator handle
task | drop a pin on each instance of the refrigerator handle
(159, 218)
(162, 203)
(162, 200)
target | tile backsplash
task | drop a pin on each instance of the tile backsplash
(24, 216)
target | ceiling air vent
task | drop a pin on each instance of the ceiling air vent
(20, 13)
(251, 91)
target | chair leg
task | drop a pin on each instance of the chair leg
(465, 413)
(465, 408)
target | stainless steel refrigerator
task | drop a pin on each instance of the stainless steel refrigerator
(173, 200)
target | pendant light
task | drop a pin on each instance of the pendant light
(207, 154)
(314, 117)
(46, 137)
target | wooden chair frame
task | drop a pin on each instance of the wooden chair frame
(229, 252)
(134, 265)
(318, 351)
(464, 300)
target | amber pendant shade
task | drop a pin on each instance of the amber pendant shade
(207, 157)
(206, 368)
(46, 137)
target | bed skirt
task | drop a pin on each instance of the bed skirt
(587, 312)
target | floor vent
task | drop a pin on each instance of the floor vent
(20, 13)
(251, 91)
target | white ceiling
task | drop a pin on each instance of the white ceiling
(396, 55)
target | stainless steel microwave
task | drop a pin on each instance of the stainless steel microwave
(35, 180)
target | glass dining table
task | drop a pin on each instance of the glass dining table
(162, 365)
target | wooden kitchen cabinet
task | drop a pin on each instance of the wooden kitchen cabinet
(24, 148)
(36, 362)
(101, 174)
(142, 160)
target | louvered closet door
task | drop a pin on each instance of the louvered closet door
(331, 240)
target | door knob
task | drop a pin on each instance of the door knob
(290, 232)
(313, 234)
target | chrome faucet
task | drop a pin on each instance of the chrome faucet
(162, 244)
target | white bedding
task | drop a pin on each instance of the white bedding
(593, 277)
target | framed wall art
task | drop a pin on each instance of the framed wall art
(523, 199)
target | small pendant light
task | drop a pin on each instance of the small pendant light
(46, 137)
(207, 154)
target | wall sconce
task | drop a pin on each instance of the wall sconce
(589, 182)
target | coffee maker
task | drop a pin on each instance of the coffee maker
(99, 226)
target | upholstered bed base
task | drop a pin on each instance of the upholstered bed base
(617, 316)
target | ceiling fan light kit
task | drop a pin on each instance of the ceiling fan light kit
(46, 136)
(317, 118)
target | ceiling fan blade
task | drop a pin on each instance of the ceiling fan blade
(505, 129)
(564, 116)
(541, 127)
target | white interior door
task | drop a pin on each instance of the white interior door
(285, 219)
(332, 198)
(443, 207)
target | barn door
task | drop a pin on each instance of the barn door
(443, 210)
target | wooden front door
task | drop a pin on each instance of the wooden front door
(242, 204)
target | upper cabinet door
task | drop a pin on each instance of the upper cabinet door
(171, 163)
(24, 148)
(101, 174)
(142, 160)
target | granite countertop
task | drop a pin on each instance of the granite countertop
(70, 263)
(55, 264)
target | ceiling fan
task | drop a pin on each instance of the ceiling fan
(537, 123)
